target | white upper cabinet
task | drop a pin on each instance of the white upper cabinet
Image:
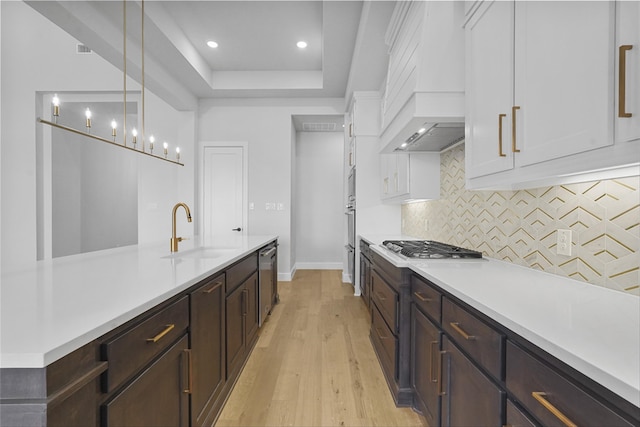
(627, 71)
(540, 92)
(409, 176)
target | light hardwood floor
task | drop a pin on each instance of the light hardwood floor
(313, 364)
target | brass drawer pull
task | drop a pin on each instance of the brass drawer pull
(190, 372)
(622, 80)
(162, 334)
(422, 298)
(540, 397)
(500, 117)
(514, 147)
(458, 329)
(213, 288)
(431, 345)
(382, 337)
(381, 296)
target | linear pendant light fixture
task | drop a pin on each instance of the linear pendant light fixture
(55, 102)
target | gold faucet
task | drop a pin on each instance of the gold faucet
(174, 239)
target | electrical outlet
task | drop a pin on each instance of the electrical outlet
(564, 242)
(251, 206)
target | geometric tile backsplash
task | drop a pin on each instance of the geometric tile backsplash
(521, 226)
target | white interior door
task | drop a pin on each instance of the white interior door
(224, 192)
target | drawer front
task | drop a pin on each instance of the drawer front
(550, 397)
(386, 299)
(240, 271)
(130, 351)
(481, 341)
(426, 298)
(385, 342)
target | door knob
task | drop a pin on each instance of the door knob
(236, 229)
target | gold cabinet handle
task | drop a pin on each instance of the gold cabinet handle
(540, 397)
(213, 288)
(421, 297)
(441, 391)
(189, 372)
(380, 335)
(381, 296)
(432, 344)
(500, 117)
(158, 337)
(458, 329)
(622, 79)
(514, 146)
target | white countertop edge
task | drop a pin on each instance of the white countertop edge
(41, 360)
(615, 384)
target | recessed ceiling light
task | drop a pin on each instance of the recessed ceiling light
(301, 44)
(212, 44)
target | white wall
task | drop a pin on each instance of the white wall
(266, 125)
(319, 202)
(38, 57)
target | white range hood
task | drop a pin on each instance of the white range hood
(424, 100)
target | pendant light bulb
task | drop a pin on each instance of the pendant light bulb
(87, 114)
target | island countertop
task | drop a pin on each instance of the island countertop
(595, 330)
(56, 306)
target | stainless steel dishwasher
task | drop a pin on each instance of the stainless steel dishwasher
(267, 281)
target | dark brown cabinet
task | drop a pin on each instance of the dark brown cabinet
(517, 418)
(470, 399)
(159, 396)
(553, 399)
(242, 322)
(426, 367)
(365, 273)
(207, 334)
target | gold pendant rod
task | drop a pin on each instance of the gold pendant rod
(99, 138)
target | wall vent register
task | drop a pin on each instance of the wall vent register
(428, 249)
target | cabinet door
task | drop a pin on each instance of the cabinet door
(627, 34)
(251, 307)
(517, 418)
(563, 78)
(470, 398)
(79, 410)
(489, 44)
(235, 327)
(425, 357)
(159, 396)
(207, 344)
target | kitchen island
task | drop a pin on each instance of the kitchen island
(64, 306)
(584, 328)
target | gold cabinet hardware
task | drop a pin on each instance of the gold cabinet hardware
(381, 296)
(432, 344)
(421, 297)
(458, 329)
(540, 396)
(500, 117)
(213, 288)
(622, 80)
(514, 146)
(441, 391)
(189, 372)
(380, 336)
(166, 330)
(245, 302)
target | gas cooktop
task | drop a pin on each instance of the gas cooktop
(429, 249)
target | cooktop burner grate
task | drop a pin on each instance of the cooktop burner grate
(429, 249)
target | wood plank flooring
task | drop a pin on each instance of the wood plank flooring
(313, 364)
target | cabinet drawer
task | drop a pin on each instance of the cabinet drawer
(386, 299)
(549, 396)
(385, 342)
(239, 272)
(426, 298)
(481, 341)
(133, 349)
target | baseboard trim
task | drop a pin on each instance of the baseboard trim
(319, 266)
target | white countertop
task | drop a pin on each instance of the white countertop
(57, 306)
(593, 329)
